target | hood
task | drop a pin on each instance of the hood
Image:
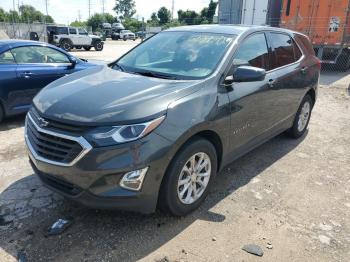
(103, 96)
(95, 36)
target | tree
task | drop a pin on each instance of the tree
(132, 24)
(125, 8)
(211, 11)
(96, 20)
(3, 15)
(164, 15)
(13, 17)
(29, 15)
(154, 21)
(189, 17)
(78, 24)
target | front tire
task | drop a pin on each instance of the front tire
(98, 46)
(302, 118)
(188, 178)
(2, 114)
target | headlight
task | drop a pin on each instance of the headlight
(127, 133)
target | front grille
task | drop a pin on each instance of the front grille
(58, 126)
(54, 147)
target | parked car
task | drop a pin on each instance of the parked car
(73, 37)
(155, 127)
(126, 35)
(28, 66)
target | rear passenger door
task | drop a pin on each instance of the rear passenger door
(74, 37)
(290, 84)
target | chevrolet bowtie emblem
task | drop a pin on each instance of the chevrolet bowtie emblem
(42, 122)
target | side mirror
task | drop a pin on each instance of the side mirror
(73, 61)
(248, 74)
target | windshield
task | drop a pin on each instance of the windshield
(184, 55)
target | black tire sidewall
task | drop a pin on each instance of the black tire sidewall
(294, 132)
(98, 46)
(169, 201)
(66, 46)
(2, 113)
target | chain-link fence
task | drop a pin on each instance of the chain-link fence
(23, 30)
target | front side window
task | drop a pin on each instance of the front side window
(7, 58)
(62, 30)
(38, 54)
(185, 55)
(252, 52)
(283, 50)
(72, 31)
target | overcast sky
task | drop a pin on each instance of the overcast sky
(66, 11)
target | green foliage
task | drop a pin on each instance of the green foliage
(173, 23)
(125, 8)
(132, 24)
(164, 15)
(78, 24)
(154, 21)
(211, 11)
(2, 15)
(206, 16)
(96, 20)
(28, 14)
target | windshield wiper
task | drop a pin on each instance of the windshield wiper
(119, 67)
(157, 75)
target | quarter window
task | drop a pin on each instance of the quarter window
(38, 54)
(7, 58)
(252, 52)
(283, 50)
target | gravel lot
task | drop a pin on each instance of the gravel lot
(290, 197)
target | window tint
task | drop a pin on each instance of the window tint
(297, 52)
(62, 30)
(284, 50)
(72, 31)
(38, 54)
(6, 58)
(82, 31)
(252, 52)
(305, 44)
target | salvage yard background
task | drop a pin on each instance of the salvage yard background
(291, 197)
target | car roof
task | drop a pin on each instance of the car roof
(230, 29)
(12, 43)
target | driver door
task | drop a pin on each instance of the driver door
(251, 103)
(37, 66)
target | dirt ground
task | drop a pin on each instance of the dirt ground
(290, 197)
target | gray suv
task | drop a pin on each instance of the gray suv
(153, 128)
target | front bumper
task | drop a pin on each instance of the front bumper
(94, 180)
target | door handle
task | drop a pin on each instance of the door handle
(303, 70)
(27, 75)
(271, 83)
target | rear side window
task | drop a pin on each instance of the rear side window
(305, 44)
(7, 58)
(62, 30)
(284, 48)
(252, 52)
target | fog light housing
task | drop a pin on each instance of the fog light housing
(133, 180)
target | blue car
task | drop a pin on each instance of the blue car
(28, 66)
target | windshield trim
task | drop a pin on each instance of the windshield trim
(182, 77)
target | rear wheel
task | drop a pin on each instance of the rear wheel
(124, 38)
(302, 118)
(66, 45)
(87, 48)
(188, 178)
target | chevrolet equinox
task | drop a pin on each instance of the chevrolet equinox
(153, 128)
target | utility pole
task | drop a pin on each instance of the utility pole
(79, 16)
(89, 8)
(103, 6)
(172, 9)
(47, 11)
